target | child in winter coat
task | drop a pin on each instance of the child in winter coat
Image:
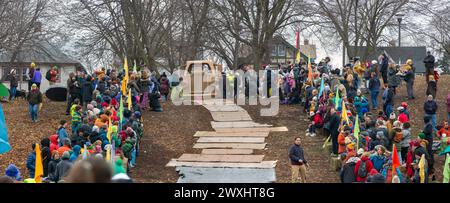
(62, 132)
(316, 122)
(76, 119)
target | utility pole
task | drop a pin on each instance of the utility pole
(400, 19)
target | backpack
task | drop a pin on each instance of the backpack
(362, 170)
(48, 76)
(398, 137)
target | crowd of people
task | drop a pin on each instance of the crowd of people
(370, 142)
(101, 140)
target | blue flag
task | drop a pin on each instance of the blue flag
(322, 86)
(4, 144)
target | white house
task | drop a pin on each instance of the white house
(45, 56)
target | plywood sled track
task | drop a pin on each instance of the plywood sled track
(227, 154)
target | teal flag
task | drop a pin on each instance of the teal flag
(4, 143)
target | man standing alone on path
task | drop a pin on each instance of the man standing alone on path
(298, 161)
(429, 65)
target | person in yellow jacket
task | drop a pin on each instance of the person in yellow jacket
(359, 69)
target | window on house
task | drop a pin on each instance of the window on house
(275, 50)
(281, 50)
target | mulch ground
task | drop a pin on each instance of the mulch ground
(170, 134)
(22, 132)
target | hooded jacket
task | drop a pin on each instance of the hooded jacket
(347, 172)
(369, 167)
(54, 143)
(76, 152)
(62, 168)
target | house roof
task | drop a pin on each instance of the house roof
(41, 53)
(306, 50)
(397, 54)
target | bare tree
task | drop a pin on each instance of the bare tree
(261, 19)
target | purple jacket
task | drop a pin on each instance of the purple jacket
(37, 78)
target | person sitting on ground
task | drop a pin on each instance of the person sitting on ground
(31, 161)
(63, 167)
(66, 147)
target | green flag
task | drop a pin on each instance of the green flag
(356, 131)
(336, 100)
(121, 109)
(447, 169)
(135, 67)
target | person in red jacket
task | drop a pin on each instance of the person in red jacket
(54, 143)
(445, 130)
(360, 172)
(402, 117)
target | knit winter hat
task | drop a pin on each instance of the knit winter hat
(66, 155)
(118, 167)
(13, 172)
(94, 103)
(422, 135)
(90, 107)
(351, 146)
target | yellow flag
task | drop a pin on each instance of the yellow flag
(125, 67)
(344, 114)
(129, 101)
(39, 169)
(124, 87)
(108, 134)
(422, 169)
(108, 155)
(298, 57)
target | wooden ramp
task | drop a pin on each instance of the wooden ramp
(231, 134)
(228, 152)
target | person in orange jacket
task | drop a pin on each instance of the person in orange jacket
(341, 140)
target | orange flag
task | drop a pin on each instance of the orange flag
(310, 71)
(395, 160)
(39, 169)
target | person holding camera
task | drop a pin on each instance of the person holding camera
(298, 161)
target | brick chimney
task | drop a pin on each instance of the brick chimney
(306, 42)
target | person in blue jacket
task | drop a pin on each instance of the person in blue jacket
(31, 161)
(378, 159)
